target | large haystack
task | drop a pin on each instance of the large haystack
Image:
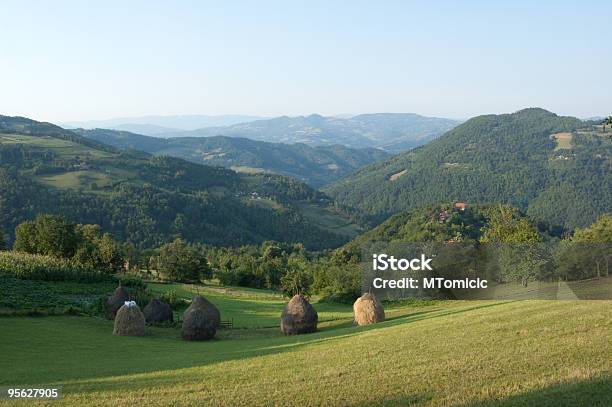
(157, 311)
(298, 317)
(129, 320)
(116, 301)
(368, 310)
(200, 320)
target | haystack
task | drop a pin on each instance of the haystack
(200, 320)
(116, 301)
(129, 320)
(298, 317)
(157, 311)
(368, 310)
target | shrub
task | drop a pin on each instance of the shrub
(171, 298)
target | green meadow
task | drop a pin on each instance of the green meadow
(437, 353)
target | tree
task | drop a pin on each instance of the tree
(606, 122)
(47, 234)
(506, 225)
(590, 249)
(97, 250)
(515, 244)
(598, 232)
(179, 261)
(2, 241)
(297, 280)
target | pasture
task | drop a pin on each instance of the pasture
(564, 141)
(446, 353)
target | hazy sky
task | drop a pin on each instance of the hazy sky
(64, 60)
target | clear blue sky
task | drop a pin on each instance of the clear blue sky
(72, 60)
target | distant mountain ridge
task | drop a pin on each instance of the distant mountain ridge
(152, 125)
(317, 166)
(392, 132)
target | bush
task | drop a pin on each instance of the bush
(337, 283)
(132, 282)
(46, 268)
(171, 298)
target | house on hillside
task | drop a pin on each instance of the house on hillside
(461, 206)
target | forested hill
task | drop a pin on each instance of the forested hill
(317, 166)
(25, 126)
(557, 169)
(446, 223)
(149, 200)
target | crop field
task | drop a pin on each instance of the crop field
(446, 353)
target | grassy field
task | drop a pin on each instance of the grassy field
(479, 353)
(62, 148)
(564, 141)
(76, 179)
(325, 218)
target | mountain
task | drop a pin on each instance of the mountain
(393, 132)
(317, 166)
(148, 129)
(557, 169)
(152, 125)
(146, 200)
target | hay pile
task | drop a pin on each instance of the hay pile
(298, 317)
(116, 301)
(200, 320)
(129, 320)
(368, 310)
(157, 311)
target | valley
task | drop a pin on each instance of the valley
(314, 165)
(49, 169)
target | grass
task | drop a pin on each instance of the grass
(76, 179)
(63, 148)
(250, 308)
(328, 220)
(482, 353)
(592, 289)
(564, 141)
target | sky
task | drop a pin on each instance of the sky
(75, 60)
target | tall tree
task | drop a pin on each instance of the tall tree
(594, 245)
(47, 234)
(515, 245)
(180, 261)
(606, 122)
(2, 241)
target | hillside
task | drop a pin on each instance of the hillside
(392, 132)
(557, 169)
(317, 166)
(148, 200)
